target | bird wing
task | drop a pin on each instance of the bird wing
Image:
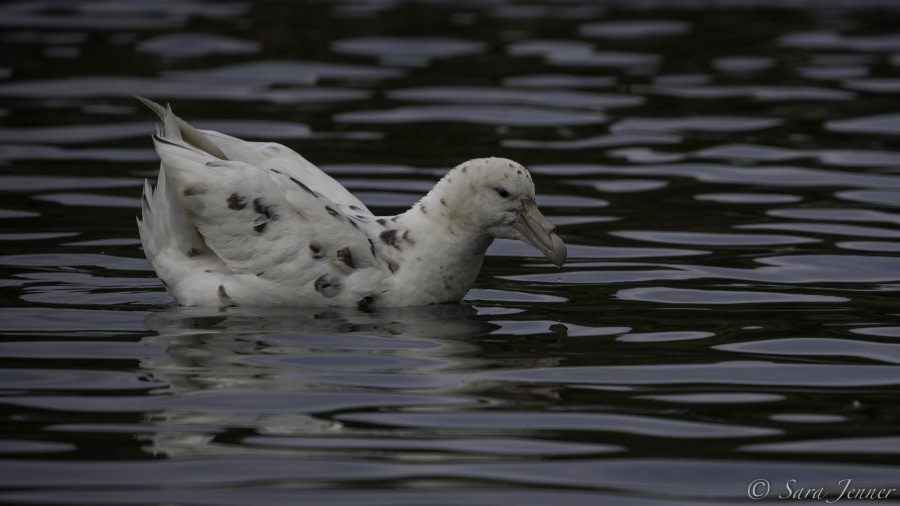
(272, 155)
(262, 225)
(265, 224)
(268, 155)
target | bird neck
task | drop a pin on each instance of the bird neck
(441, 255)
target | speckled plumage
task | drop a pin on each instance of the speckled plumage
(255, 224)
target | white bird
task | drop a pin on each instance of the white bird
(237, 223)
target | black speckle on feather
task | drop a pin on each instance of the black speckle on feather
(328, 285)
(393, 267)
(261, 208)
(346, 257)
(236, 202)
(331, 211)
(224, 298)
(192, 190)
(365, 303)
(389, 237)
(372, 247)
(381, 221)
(265, 214)
(315, 250)
(305, 188)
(193, 252)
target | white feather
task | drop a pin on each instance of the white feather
(255, 224)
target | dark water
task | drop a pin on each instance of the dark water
(727, 175)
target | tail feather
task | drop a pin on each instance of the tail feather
(163, 223)
(176, 129)
(171, 241)
(185, 152)
(164, 228)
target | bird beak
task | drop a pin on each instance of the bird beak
(539, 233)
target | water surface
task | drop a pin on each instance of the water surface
(727, 178)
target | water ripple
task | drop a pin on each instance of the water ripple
(758, 374)
(634, 29)
(549, 98)
(665, 295)
(767, 176)
(483, 114)
(760, 93)
(775, 269)
(412, 51)
(819, 347)
(695, 124)
(571, 53)
(192, 86)
(728, 197)
(595, 422)
(710, 239)
(884, 124)
(195, 45)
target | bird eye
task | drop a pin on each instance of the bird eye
(502, 192)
